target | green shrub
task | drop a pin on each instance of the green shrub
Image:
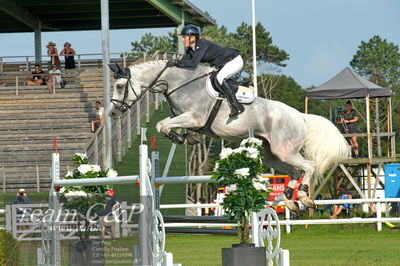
(9, 249)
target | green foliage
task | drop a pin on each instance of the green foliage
(9, 249)
(378, 60)
(151, 44)
(239, 170)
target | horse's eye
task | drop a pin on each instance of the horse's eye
(120, 86)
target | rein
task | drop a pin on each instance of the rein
(123, 106)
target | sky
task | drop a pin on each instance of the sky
(320, 37)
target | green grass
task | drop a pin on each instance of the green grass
(317, 245)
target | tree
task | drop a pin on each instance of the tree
(379, 60)
(151, 44)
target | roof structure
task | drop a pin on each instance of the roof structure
(76, 15)
(347, 84)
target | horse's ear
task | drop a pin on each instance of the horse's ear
(113, 68)
(119, 68)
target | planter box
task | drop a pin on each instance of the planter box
(244, 254)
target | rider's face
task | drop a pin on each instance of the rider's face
(188, 40)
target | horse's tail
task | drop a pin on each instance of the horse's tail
(324, 143)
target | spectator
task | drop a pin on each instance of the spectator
(53, 54)
(37, 77)
(68, 53)
(349, 122)
(99, 117)
(22, 212)
(107, 215)
(54, 78)
(339, 208)
(324, 208)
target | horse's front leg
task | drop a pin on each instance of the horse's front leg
(185, 120)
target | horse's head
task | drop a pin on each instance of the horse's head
(126, 91)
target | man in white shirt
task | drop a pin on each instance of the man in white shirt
(54, 78)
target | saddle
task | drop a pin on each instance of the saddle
(243, 91)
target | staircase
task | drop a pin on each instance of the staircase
(30, 120)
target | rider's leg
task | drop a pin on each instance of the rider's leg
(227, 71)
(355, 145)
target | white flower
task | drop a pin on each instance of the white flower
(216, 167)
(225, 153)
(69, 174)
(82, 155)
(75, 194)
(242, 172)
(62, 190)
(231, 188)
(239, 150)
(112, 173)
(252, 140)
(84, 168)
(252, 152)
(260, 178)
(95, 168)
(259, 186)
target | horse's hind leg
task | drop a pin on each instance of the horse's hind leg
(308, 167)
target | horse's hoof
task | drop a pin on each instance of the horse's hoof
(292, 206)
(176, 138)
(309, 203)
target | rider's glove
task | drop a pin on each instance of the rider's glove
(172, 62)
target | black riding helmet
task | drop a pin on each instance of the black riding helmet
(190, 29)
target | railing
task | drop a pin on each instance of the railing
(288, 222)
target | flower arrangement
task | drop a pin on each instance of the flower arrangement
(86, 198)
(246, 190)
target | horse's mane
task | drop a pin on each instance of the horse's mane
(160, 62)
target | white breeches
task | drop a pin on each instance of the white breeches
(230, 69)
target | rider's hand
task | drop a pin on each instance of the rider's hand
(171, 63)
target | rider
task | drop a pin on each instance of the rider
(227, 60)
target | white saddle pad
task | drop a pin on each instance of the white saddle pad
(244, 94)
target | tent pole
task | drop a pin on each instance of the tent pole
(330, 110)
(388, 128)
(306, 106)
(369, 140)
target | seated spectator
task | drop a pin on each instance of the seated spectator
(54, 78)
(37, 77)
(99, 117)
(22, 212)
(339, 208)
(324, 208)
(68, 54)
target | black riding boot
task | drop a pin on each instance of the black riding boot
(236, 107)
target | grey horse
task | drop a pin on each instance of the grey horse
(294, 142)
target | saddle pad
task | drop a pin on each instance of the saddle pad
(244, 94)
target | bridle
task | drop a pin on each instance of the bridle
(125, 72)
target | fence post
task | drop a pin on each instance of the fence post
(138, 123)
(7, 214)
(1, 64)
(287, 218)
(96, 150)
(147, 106)
(54, 84)
(79, 62)
(27, 63)
(16, 85)
(104, 148)
(37, 179)
(379, 216)
(129, 129)
(119, 140)
(4, 177)
(124, 59)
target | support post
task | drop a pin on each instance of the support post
(38, 45)
(129, 129)
(144, 220)
(138, 122)
(37, 179)
(119, 140)
(106, 79)
(306, 106)
(378, 216)
(369, 138)
(4, 177)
